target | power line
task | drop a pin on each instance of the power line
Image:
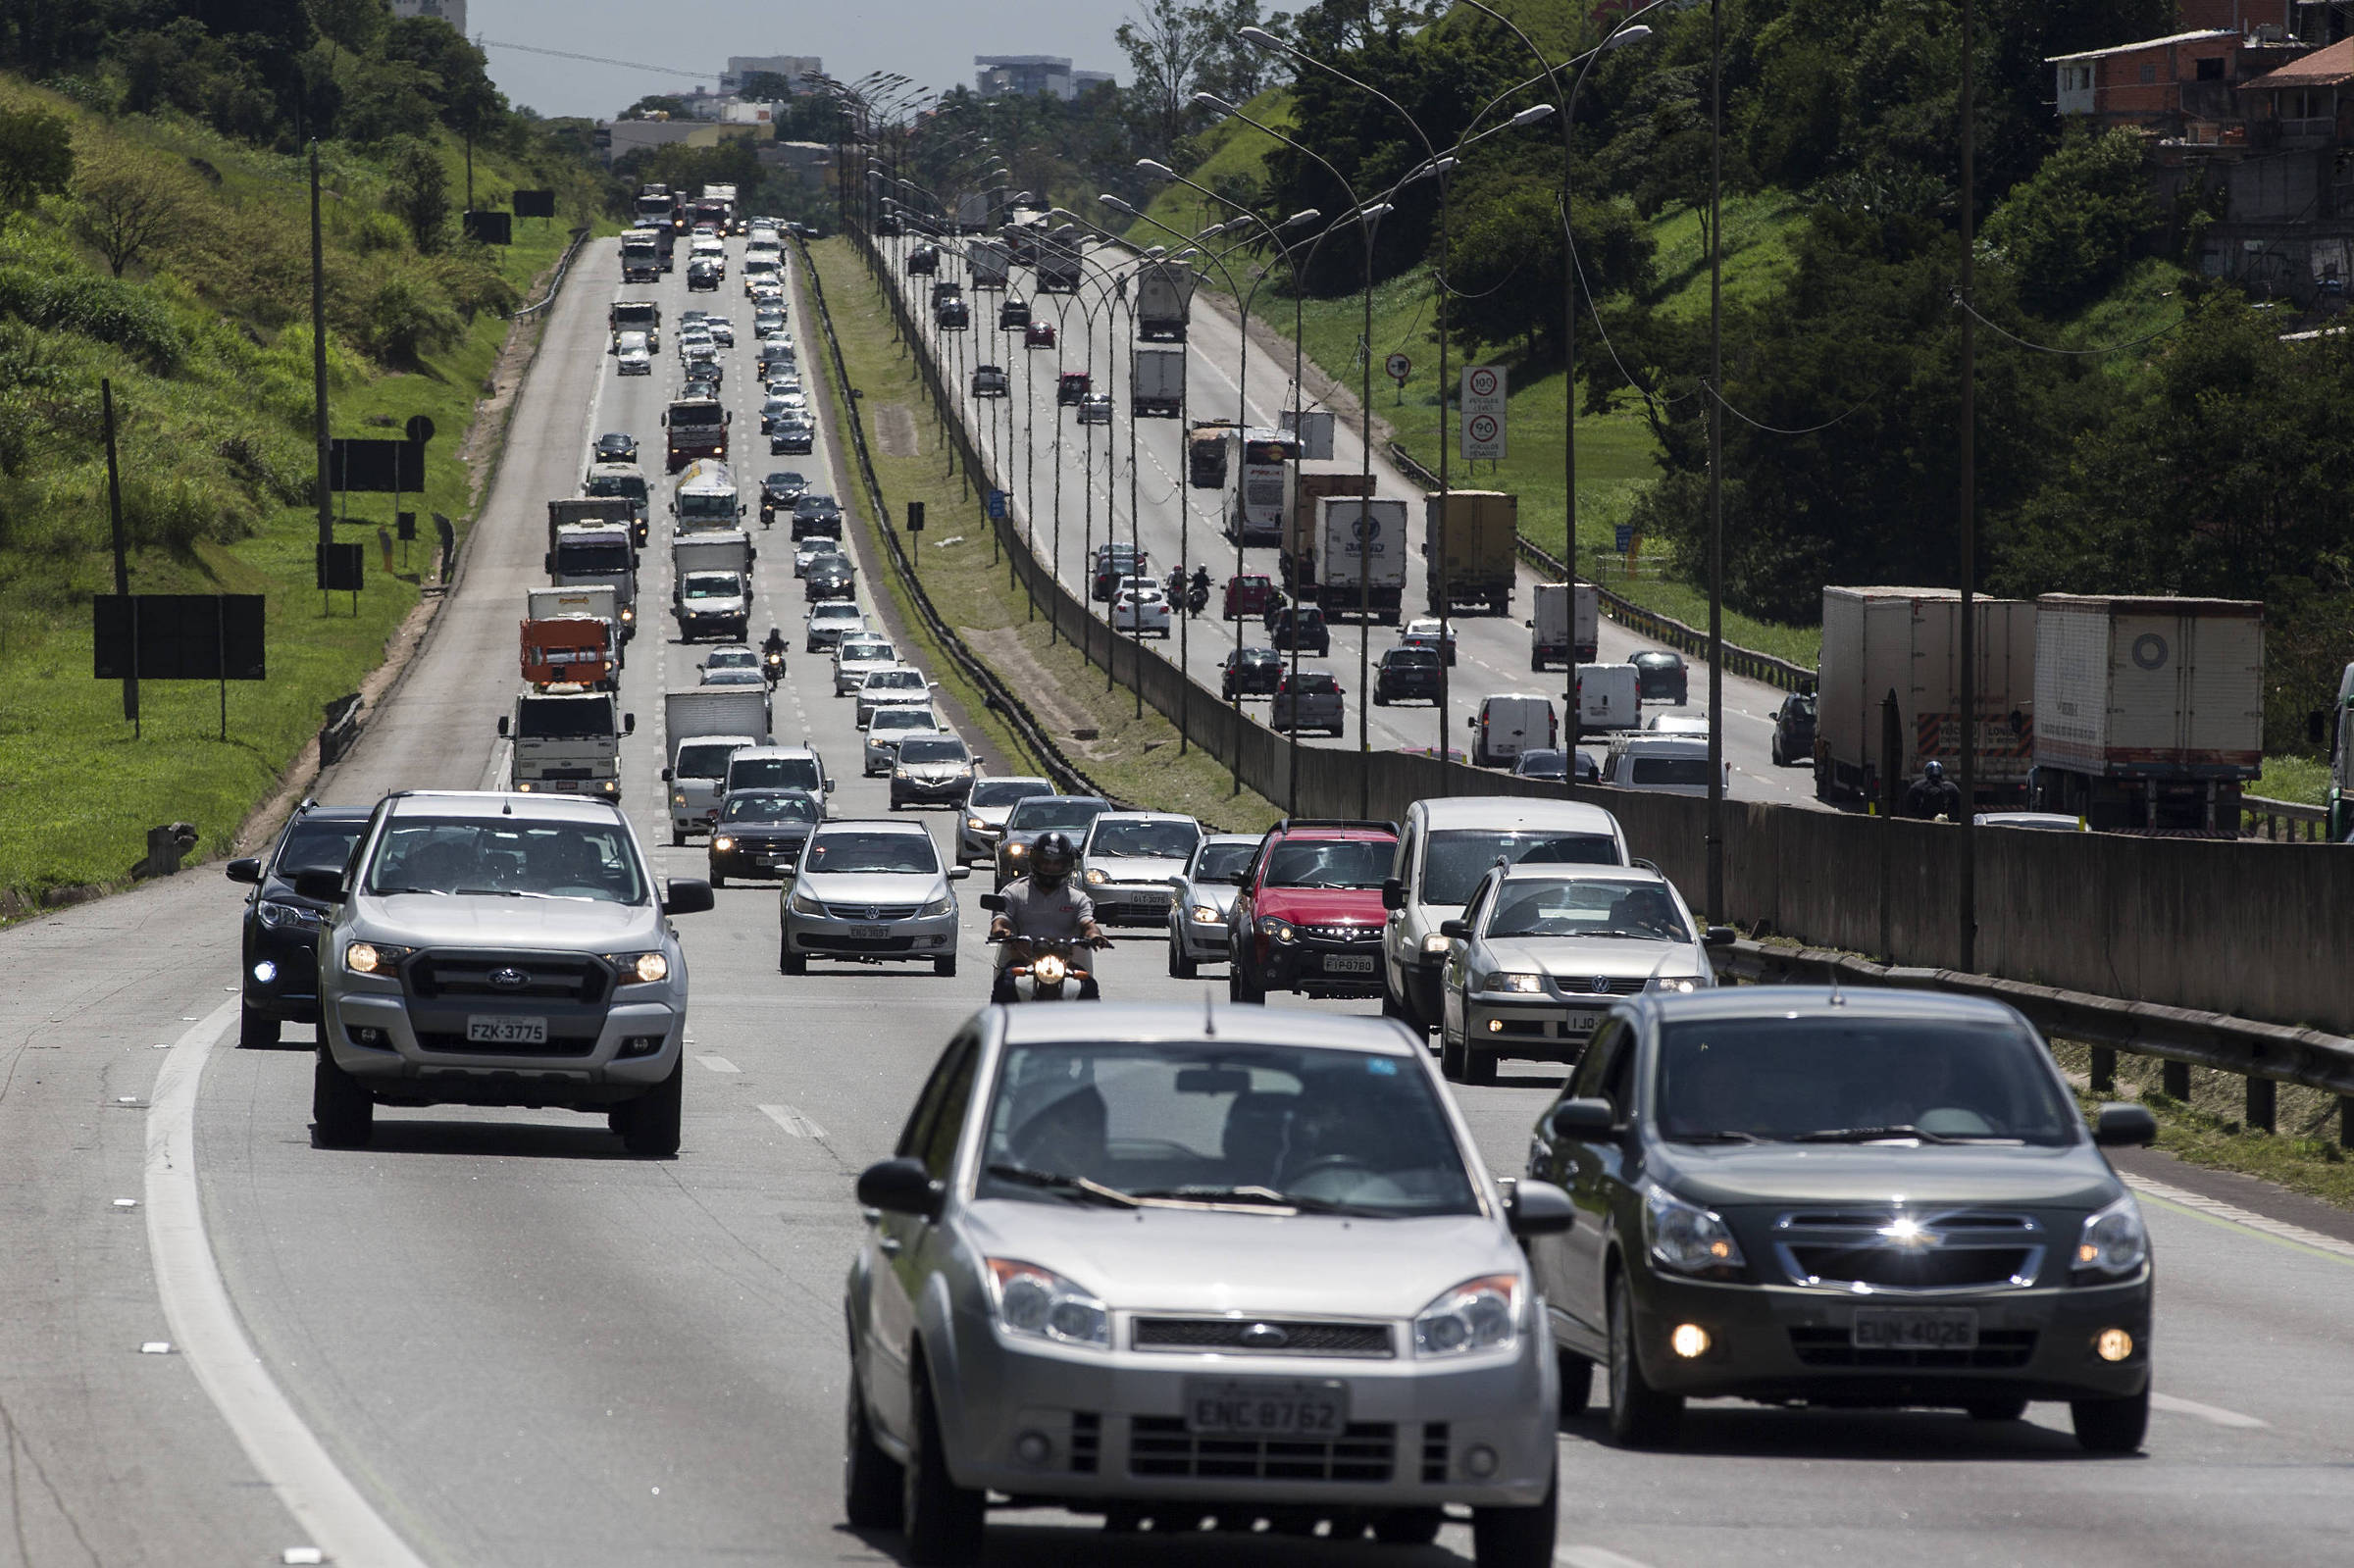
(2068, 353)
(599, 60)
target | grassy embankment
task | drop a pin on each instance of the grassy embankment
(2206, 1129)
(1136, 759)
(208, 346)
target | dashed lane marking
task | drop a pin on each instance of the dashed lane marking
(2223, 1213)
(2175, 1406)
(1594, 1557)
(793, 1121)
(719, 1064)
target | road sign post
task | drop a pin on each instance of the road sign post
(1483, 413)
(1399, 368)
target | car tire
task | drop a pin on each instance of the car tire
(943, 1521)
(2111, 1426)
(342, 1112)
(1409, 1527)
(653, 1130)
(1518, 1537)
(678, 837)
(871, 1480)
(1182, 964)
(945, 968)
(790, 962)
(718, 880)
(2004, 1409)
(1641, 1417)
(1576, 1375)
(1450, 1057)
(257, 1031)
(1479, 1067)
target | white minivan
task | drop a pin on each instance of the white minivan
(1664, 764)
(1511, 723)
(1609, 697)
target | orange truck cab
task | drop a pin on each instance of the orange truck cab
(569, 650)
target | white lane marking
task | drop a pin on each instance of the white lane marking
(793, 1121)
(1594, 1557)
(719, 1064)
(285, 1453)
(2175, 1405)
(2223, 1213)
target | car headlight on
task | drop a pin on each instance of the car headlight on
(1095, 876)
(678, 800)
(1681, 985)
(1207, 915)
(1517, 984)
(943, 905)
(374, 958)
(281, 917)
(1042, 1304)
(976, 825)
(722, 844)
(1016, 851)
(1282, 931)
(639, 968)
(628, 614)
(803, 904)
(899, 773)
(1436, 944)
(1482, 1314)
(1689, 1238)
(2115, 1242)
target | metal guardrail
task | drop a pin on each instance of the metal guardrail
(2283, 820)
(555, 285)
(2265, 1055)
(341, 731)
(1747, 663)
(1066, 773)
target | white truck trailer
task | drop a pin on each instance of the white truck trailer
(1361, 556)
(1552, 638)
(1888, 699)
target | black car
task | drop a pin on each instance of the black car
(703, 276)
(952, 315)
(780, 492)
(616, 446)
(1112, 563)
(1542, 762)
(924, 259)
(1250, 672)
(1870, 1198)
(1313, 634)
(816, 514)
(280, 961)
(1408, 675)
(798, 439)
(1660, 675)
(1794, 732)
(762, 833)
(829, 577)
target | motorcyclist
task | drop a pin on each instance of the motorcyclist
(771, 655)
(1933, 796)
(1047, 906)
(1197, 597)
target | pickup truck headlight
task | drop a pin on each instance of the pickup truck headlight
(2114, 1244)
(639, 968)
(722, 844)
(1688, 1239)
(379, 959)
(1042, 1304)
(1516, 983)
(1482, 1314)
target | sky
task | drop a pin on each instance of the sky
(932, 41)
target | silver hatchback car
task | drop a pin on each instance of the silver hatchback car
(868, 892)
(1164, 1263)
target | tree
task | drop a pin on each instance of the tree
(656, 103)
(1166, 46)
(36, 156)
(126, 199)
(2069, 230)
(420, 193)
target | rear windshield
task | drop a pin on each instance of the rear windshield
(1670, 771)
(563, 718)
(1314, 684)
(1066, 813)
(777, 772)
(1456, 859)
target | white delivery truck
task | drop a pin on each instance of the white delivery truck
(1361, 556)
(1508, 724)
(594, 600)
(1888, 696)
(1552, 638)
(566, 742)
(1164, 297)
(2149, 712)
(1609, 697)
(991, 261)
(703, 728)
(705, 498)
(1156, 383)
(582, 554)
(711, 585)
(1313, 426)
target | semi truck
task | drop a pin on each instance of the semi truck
(1156, 383)
(1302, 491)
(591, 555)
(633, 315)
(1889, 693)
(566, 742)
(1552, 637)
(703, 726)
(2149, 711)
(711, 577)
(1471, 539)
(2334, 728)
(572, 650)
(692, 427)
(992, 263)
(641, 257)
(1164, 297)
(1361, 556)
(1058, 267)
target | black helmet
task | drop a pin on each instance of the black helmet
(1933, 772)
(1051, 860)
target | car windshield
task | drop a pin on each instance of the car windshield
(1269, 1128)
(896, 680)
(734, 678)
(629, 486)
(1330, 863)
(1670, 770)
(316, 847)
(784, 481)
(1007, 792)
(852, 651)
(705, 761)
(591, 559)
(1222, 860)
(860, 850)
(777, 772)
(1037, 816)
(947, 748)
(507, 858)
(1542, 764)
(1832, 1080)
(563, 718)
(1457, 858)
(1143, 840)
(780, 805)
(1599, 906)
(835, 612)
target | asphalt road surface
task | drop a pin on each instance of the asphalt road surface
(491, 1338)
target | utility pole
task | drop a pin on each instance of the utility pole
(326, 518)
(114, 508)
(1967, 877)
(1716, 827)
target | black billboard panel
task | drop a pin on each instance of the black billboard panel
(491, 229)
(535, 204)
(340, 565)
(179, 636)
(360, 463)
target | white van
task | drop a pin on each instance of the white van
(1664, 764)
(1511, 723)
(705, 498)
(1607, 697)
(1444, 847)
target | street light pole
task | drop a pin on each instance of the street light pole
(1716, 829)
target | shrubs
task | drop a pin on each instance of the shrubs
(104, 307)
(401, 319)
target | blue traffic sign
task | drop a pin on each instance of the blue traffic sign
(1626, 538)
(997, 504)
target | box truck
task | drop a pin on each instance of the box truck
(1156, 383)
(703, 726)
(1164, 296)
(1361, 556)
(1552, 638)
(1470, 540)
(990, 262)
(1889, 693)
(567, 744)
(1313, 426)
(1301, 492)
(2149, 712)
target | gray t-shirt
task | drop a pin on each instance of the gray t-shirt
(1061, 915)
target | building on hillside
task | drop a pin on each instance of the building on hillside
(452, 12)
(618, 138)
(811, 163)
(795, 69)
(2157, 82)
(1026, 75)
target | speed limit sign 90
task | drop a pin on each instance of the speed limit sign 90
(1483, 402)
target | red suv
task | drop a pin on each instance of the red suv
(1308, 917)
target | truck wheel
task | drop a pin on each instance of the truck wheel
(343, 1113)
(256, 1030)
(652, 1131)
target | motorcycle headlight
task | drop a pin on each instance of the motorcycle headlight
(379, 959)
(639, 968)
(1048, 969)
(803, 904)
(1482, 1314)
(2114, 1244)
(1042, 1304)
(283, 917)
(1282, 931)
(1689, 1238)
(722, 844)
(1516, 983)
(1095, 876)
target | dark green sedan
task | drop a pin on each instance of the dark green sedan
(1881, 1198)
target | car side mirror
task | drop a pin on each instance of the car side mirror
(503, 728)
(629, 724)
(1393, 893)
(322, 883)
(548, 563)
(249, 870)
(1459, 929)
(686, 896)
(829, 787)
(2122, 1124)
(995, 903)
(960, 872)
(1471, 723)
(1531, 625)
(666, 776)
(900, 1186)
(1720, 937)
(1571, 1120)
(1177, 881)
(1539, 1208)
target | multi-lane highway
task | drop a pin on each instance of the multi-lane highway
(491, 1338)
(1070, 484)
